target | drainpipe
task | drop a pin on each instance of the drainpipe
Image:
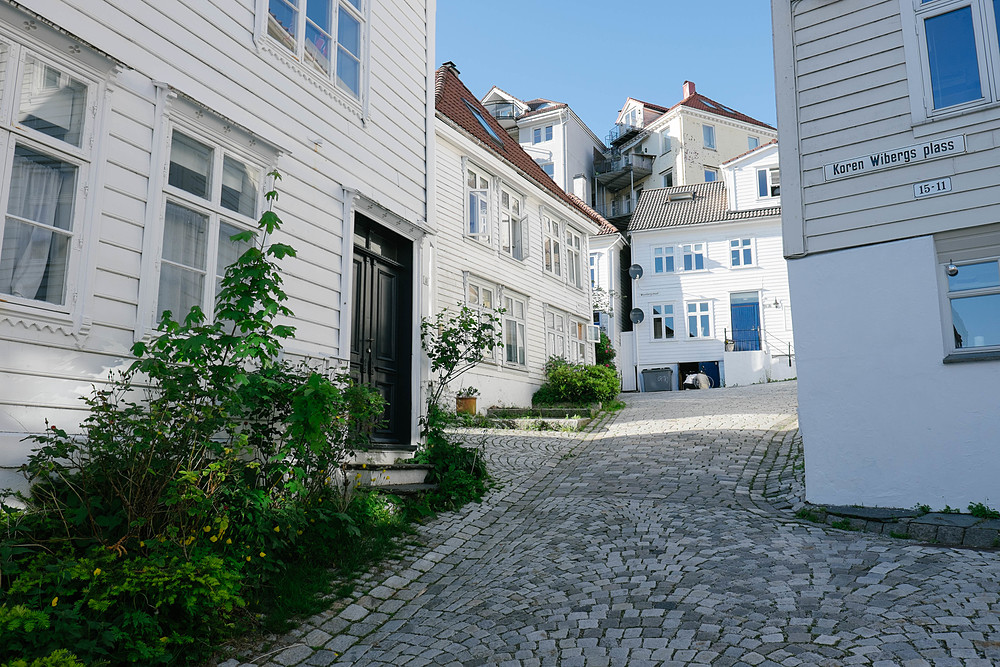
(564, 114)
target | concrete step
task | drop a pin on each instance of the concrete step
(388, 474)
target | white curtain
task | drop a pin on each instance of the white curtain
(34, 195)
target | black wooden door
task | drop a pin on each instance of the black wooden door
(380, 337)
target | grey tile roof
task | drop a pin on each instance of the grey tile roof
(656, 211)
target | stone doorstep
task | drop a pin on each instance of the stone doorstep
(389, 474)
(935, 527)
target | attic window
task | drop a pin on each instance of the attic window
(679, 196)
(482, 121)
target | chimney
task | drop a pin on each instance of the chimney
(688, 88)
(450, 65)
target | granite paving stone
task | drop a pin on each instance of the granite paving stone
(665, 535)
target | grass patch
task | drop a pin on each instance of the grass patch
(808, 515)
(843, 524)
(899, 536)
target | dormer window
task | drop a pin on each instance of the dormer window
(482, 121)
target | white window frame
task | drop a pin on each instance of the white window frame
(574, 257)
(513, 224)
(714, 174)
(702, 308)
(519, 325)
(475, 196)
(68, 316)
(577, 340)
(548, 166)
(279, 46)
(474, 285)
(669, 173)
(662, 253)
(752, 143)
(536, 135)
(914, 13)
(708, 136)
(594, 260)
(552, 261)
(662, 313)
(770, 178)
(742, 246)
(693, 250)
(223, 145)
(964, 248)
(555, 334)
(664, 143)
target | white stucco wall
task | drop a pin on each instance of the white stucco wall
(884, 421)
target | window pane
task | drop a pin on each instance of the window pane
(35, 251)
(283, 22)
(975, 276)
(52, 102)
(976, 320)
(657, 327)
(3, 64)
(185, 236)
(318, 12)
(229, 250)
(349, 72)
(180, 289)
(349, 33)
(190, 165)
(239, 187)
(762, 183)
(317, 48)
(952, 58)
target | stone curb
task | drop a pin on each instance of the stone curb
(937, 528)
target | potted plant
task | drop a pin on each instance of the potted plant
(465, 400)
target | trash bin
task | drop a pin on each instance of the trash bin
(657, 379)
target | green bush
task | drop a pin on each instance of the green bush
(604, 352)
(58, 658)
(576, 383)
(203, 475)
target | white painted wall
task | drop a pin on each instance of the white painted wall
(715, 284)
(457, 254)
(212, 52)
(884, 421)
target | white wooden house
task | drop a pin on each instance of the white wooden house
(136, 139)
(507, 236)
(711, 294)
(889, 115)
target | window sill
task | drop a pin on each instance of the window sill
(956, 119)
(348, 102)
(518, 368)
(479, 242)
(28, 321)
(963, 357)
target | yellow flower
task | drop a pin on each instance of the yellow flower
(262, 554)
(277, 529)
(248, 559)
(364, 465)
(214, 538)
(228, 541)
(97, 571)
(298, 532)
(55, 601)
(163, 639)
(207, 529)
(141, 543)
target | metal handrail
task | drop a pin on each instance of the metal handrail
(503, 110)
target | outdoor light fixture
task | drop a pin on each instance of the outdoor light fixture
(951, 269)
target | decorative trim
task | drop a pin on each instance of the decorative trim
(327, 88)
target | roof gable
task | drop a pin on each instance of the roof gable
(455, 102)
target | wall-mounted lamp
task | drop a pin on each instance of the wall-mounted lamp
(951, 269)
(777, 304)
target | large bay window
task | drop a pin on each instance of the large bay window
(46, 145)
(326, 35)
(211, 194)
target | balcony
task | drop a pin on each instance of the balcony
(622, 171)
(617, 212)
(621, 133)
(506, 113)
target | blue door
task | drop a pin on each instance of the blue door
(745, 310)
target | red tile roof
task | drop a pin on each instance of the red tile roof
(452, 100)
(606, 227)
(708, 105)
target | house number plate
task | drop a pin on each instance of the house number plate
(938, 186)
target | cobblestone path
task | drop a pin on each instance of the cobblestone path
(665, 537)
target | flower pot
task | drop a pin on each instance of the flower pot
(730, 346)
(466, 404)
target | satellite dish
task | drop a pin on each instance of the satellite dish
(636, 314)
(635, 272)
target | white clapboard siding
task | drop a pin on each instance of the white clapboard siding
(457, 255)
(205, 50)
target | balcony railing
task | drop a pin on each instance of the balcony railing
(616, 209)
(503, 110)
(623, 171)
(620, 133)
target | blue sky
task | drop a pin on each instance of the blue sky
(593, 54)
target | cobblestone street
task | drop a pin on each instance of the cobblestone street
(664, 536)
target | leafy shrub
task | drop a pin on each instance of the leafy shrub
(983, 511)
(576, 383)
(58, 658)
(604, 352)
(203, 473)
